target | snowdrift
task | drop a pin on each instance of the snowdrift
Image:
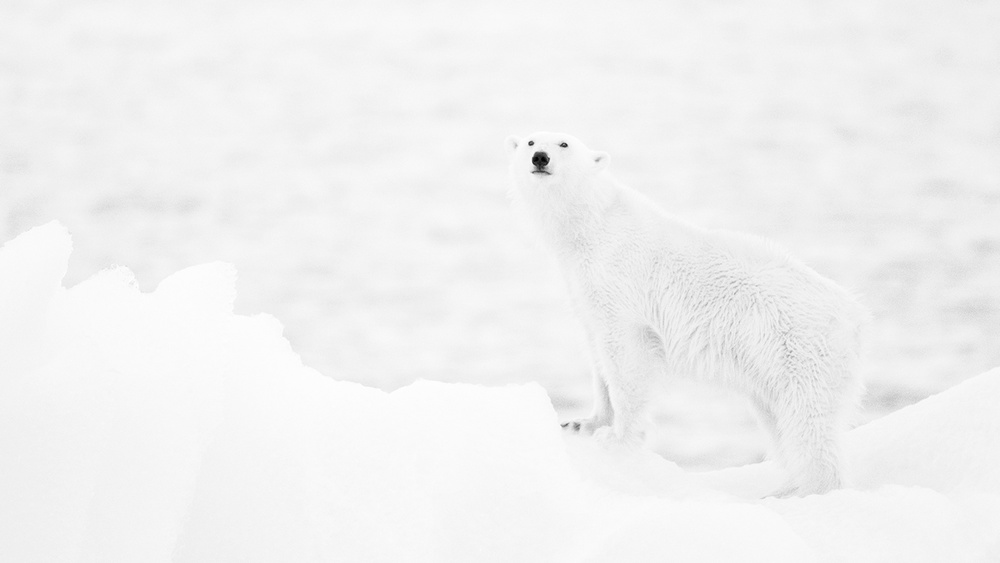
(162, 427)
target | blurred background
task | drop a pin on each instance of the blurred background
(348, 158)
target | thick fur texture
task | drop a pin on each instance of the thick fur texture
(660, 297)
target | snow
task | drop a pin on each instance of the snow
(162, 426)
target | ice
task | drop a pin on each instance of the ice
(161, 426)
(947, 442)
(893, 523)
(31, 269)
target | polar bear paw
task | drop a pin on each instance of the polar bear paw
(585, 426)
(787, 491)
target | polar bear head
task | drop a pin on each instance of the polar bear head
(554, 178)
(553, 158)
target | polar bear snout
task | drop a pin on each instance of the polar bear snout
(540, 159)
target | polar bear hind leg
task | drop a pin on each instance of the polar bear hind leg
(806, 442)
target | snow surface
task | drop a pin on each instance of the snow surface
(161, 426)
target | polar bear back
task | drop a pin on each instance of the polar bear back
(713, 294)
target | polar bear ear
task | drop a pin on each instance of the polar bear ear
(512, 143)
(601, 159)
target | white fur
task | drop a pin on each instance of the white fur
(661, 297)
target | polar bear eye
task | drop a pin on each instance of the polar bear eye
(563, 145)
(531, 143)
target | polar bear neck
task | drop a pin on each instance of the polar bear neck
(570, 213)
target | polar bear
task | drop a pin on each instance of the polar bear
(659, 297)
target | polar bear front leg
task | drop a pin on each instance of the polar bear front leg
(603, 414)
(633, 355)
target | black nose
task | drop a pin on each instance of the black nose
(540, 159)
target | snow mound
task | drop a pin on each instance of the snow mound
(162, 427)
(947, 442)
